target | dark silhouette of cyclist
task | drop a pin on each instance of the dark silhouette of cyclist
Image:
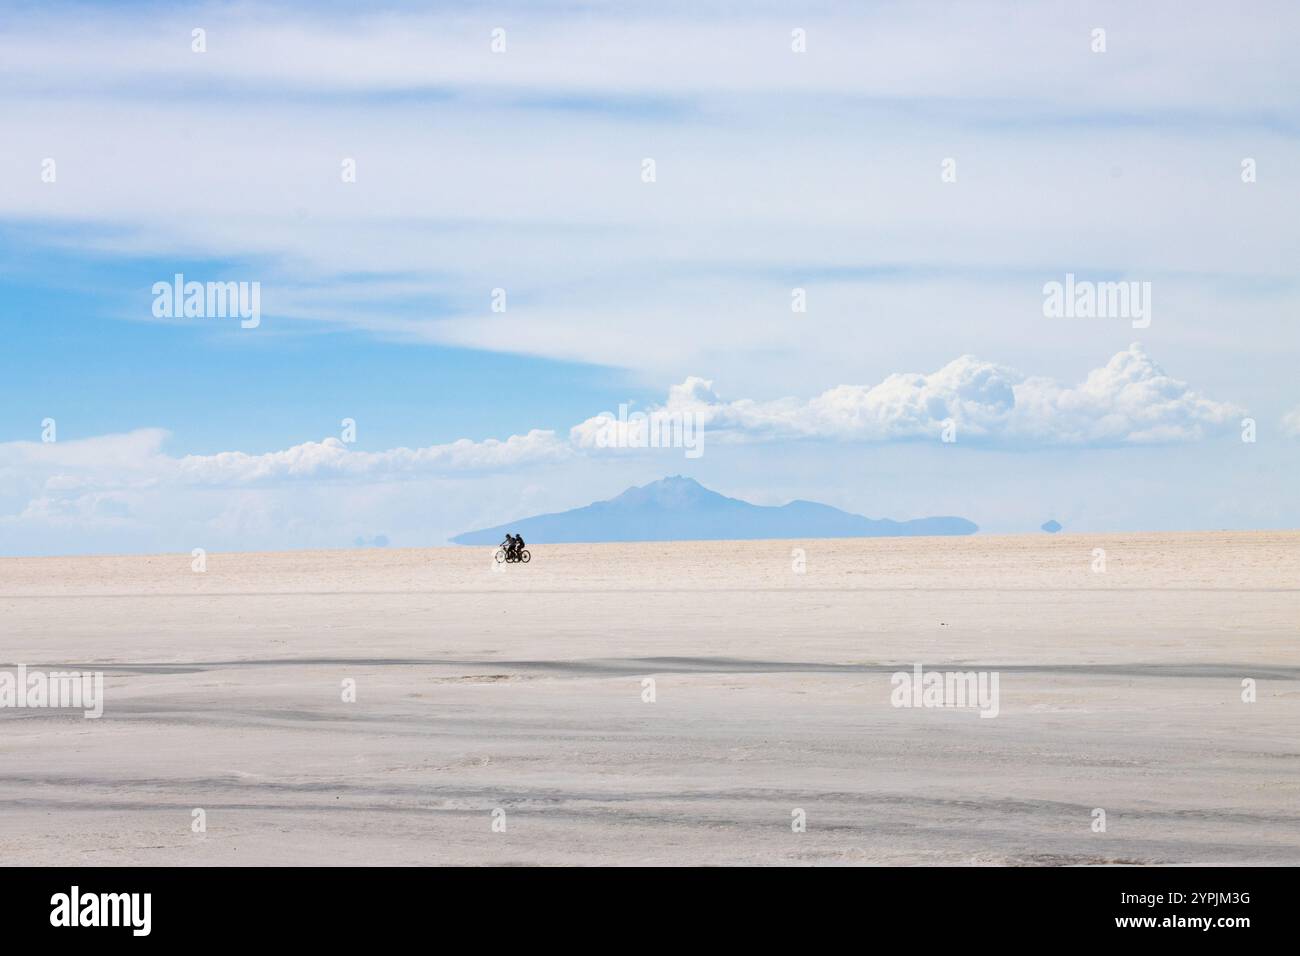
(519, 546)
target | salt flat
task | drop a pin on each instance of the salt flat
(521, 691)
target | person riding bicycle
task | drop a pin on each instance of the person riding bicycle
(513, 545)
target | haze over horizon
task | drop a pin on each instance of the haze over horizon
(681, 509)
(464, 270)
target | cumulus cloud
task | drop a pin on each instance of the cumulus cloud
(128, 481)
(331, 458)
(109, 481)
(1130, 400)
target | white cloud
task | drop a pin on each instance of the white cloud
(331, 458)
(124, 492)
(776, 170)
(136, 460)
(1055, 147)
(1129, 401)
(117, 488)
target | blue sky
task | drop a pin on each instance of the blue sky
(522, 170)
(80, 352)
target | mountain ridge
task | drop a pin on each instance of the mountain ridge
(677, 508)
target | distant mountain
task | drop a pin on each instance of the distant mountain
(1052, 526)
(681, 509)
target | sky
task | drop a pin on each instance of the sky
(821, 233)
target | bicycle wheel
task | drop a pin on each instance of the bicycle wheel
(501, 555)
(524, 556)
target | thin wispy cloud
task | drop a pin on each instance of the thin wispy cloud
(767, 161)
